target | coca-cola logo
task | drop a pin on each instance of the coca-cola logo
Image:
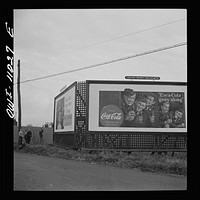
(111, 116)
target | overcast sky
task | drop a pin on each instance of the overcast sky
(53, 41)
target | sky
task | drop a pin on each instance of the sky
(50, 41)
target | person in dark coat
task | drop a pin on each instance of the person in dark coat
(28, 136)
(41, 136)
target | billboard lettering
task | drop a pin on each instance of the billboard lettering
(111, 115)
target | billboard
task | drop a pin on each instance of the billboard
(137, 107)
(64, 113)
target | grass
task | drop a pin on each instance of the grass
(140, 160)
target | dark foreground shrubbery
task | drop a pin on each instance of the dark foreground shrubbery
(141, 160)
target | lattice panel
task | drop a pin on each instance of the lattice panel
(134, 141)
(81, 99)
(80, 114)
(171, 142)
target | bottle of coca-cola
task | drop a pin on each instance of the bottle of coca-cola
(140, 118)
(152, 117)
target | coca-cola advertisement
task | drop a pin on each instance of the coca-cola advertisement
(141, 109)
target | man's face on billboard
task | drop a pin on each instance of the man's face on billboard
(178, 114)
(150, 100)
(129, 99)
(165, 107)
(140, 106)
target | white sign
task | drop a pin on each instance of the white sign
(65, 111)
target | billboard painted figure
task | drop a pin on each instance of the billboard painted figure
(129, 108)
(60, 114)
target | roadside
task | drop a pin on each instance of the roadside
(136, 160)
(34, 172)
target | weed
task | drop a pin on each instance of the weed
(141, 160)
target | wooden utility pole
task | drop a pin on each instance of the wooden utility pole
(19, 97)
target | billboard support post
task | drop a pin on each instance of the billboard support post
(19, 98)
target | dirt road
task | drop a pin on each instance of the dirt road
(34, 172)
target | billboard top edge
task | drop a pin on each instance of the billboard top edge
(66, 89)
(134, 82)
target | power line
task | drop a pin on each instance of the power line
(108, 62)
(115, 38)
(133, 33)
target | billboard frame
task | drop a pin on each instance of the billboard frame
(66, 134)
(89, 82)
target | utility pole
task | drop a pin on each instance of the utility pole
(19, 97)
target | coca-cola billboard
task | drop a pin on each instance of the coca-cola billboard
(119, 106)
(129, 108)
(111, 116)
